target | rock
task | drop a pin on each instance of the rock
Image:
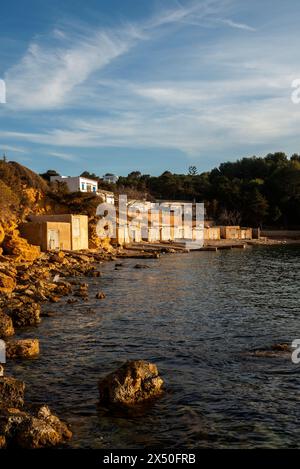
(54, 299)
(7, 283)
(6, 326)
(71, 301)
(24, 312)
(34, 434)
(48, 314)
(40, 430)
(22, 348)
(11, 392)
(141, 266)
(16, 246)
(100, 296)
(2, 442)
(275, 351)
(1, 370)
(282, 348)
(133, 383)
(62, 429)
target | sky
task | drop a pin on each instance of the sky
(149, 85)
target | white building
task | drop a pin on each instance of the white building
(110, 178)
(77, 183)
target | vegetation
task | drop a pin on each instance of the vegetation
(251, 191)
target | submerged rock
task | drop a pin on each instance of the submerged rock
(141, 266)
(133, 383)
(22, 348)
(11, 392)
(6, 326)
(276, 350)
(100, 296)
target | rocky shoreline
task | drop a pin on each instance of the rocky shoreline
(24, 288)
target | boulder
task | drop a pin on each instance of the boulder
(22, 348)
(40, 430)
(11, 392)
(133, 383)
(6, 326)
(24, 312)
(7, 283)
(19, 247)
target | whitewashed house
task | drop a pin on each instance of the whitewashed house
(77, 183)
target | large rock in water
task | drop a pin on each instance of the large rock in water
(40, 430)
(134, 383)
(22, 348)
(6, 326)
(11, 392)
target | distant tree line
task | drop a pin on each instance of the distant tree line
(251, 191)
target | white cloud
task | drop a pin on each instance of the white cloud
(234, 24)
(46, 76)
(62, 156)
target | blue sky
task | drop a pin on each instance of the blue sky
(149, 85)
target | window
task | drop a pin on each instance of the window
(94, 188)
(82, 186)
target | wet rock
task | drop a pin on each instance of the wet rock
(48, 314)
(71, 301)
(27, 431)
(100, 296)
(2, 442)
(24, 312)
(60, 427)
(141, 266)
(22, 348)
(133, 383)
(274, 351)
(11, 392)
(6, 326)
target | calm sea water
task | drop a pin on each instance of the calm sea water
(194, 315)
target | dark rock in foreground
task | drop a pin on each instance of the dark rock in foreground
(11, 392)
(133, 383)
(40, 430)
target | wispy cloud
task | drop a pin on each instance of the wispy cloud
(12, 148)
(236, 25)
(56, 65)
(62, 156)
(47, 74)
